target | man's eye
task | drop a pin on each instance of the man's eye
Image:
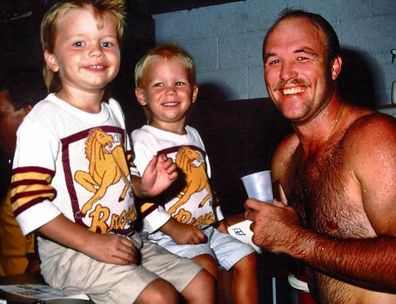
(302, 58)
(272, 62)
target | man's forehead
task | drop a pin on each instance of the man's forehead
(295, 31)
(296, 24)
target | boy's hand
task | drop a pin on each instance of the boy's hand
(183, 233)
(107, 248)
(160, 173)
(113, 249)
(222, 226)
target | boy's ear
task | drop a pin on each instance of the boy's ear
(194, 93)
(50, 59)
(140, 96)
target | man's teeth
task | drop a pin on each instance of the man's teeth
(294, 90)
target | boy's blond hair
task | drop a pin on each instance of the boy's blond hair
(168, 51)
(51, 19)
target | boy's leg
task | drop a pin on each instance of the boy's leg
(241, 258)
(158, 292)
(201, 289)
(209, 263)
(104, 283)
(244, 281)
(194, 283)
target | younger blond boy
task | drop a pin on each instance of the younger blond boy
(185, 219)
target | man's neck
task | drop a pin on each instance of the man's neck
(317, 132)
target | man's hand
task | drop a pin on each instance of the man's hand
(275, 227)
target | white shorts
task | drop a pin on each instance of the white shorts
(76, 273)
(226, 249)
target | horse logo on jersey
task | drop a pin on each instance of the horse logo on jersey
(195, 177)
(107, 165)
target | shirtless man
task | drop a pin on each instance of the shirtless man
(337, 170)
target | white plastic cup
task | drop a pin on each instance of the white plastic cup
(259, 186)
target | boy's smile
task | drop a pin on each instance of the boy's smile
(167, 93)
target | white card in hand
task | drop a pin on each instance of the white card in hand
(242, 232)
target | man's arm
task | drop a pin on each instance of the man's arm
(277, 229)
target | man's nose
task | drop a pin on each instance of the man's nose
(288, 71)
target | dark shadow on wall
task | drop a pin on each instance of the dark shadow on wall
(357, 81)
(240, 137)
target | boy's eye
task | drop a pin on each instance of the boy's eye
(158, 84)
(78, 44)
(179, 83)
(107, 44)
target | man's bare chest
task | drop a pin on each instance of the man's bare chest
(327, 200)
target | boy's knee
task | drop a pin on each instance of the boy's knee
(247, 263)
(201, 288)
(158, 292)
(208, 263)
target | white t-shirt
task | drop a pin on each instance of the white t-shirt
(74, 163)
(193, 201)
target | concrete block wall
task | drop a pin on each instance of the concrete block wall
(225, 41)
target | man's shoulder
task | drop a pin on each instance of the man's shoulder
(288, 145)
(371, 125)
(283, 154)
(370, 138)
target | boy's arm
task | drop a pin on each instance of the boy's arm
(222, 226)
(107, 248)
(183, 233)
